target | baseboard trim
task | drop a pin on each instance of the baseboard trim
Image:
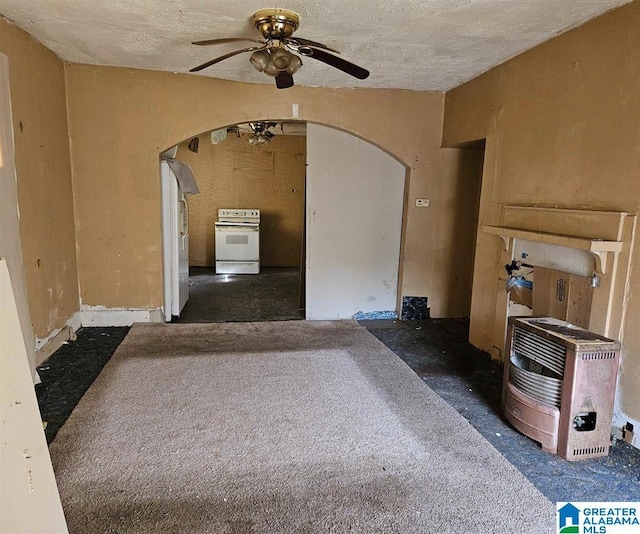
(101, 316)
(620, 420)
(47, 346)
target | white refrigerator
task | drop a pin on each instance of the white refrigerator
(175, 230)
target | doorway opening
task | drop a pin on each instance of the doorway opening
(469, 172)
(236, 173)
(329, 195)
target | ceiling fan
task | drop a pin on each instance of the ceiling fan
(275, 55)
(260, 132)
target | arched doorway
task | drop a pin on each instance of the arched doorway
(354, 196)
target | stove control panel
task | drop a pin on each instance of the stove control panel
(238, 214)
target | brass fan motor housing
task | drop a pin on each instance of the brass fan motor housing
(276, 23)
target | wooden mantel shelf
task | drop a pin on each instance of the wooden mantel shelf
(599, 248)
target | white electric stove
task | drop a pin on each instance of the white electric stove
(237, 239)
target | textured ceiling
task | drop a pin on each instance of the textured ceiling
(406, 44)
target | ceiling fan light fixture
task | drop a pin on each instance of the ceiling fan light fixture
(294, 65)
(261, 134)
(259, 139)
(271, 69)
(260, 59)
(281, 58)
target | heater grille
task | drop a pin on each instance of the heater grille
(538, 349)
(537, 366)
(599, 355)
(589, 451)
(547, 390)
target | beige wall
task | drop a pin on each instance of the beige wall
(10, 245)
(44, 179)
(235, 174)
(136, 114)
(562, 124)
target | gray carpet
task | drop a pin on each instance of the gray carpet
(301, 427)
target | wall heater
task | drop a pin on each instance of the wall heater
(559, 385)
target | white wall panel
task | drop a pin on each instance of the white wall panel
(355, 195)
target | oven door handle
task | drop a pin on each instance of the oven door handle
(244, 229)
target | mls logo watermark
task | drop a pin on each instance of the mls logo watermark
(598, 517)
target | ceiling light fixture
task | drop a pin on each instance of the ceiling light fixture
(261, 134)
(278, 63)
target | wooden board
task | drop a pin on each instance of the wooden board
(562, 295)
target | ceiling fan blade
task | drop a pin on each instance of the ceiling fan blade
(226, 40)
(284, 80)
(309, 42)
(226, 56)
(339, 63)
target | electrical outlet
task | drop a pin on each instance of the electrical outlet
(422, 202)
